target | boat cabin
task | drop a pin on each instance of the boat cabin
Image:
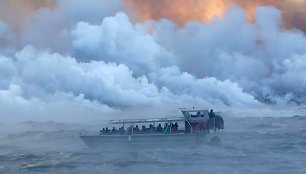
(193, 121)
(196, 120)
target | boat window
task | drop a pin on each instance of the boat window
(195, 114)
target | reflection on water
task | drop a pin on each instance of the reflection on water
(215, 141)
(250, 145)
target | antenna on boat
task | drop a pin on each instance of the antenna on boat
(194, 108)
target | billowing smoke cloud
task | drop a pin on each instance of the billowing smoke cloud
(232, 48)
(78, 61)
(46, 23)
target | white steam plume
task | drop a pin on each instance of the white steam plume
(93, 58)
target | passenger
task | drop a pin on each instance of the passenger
(175, 127)
(121, 130)
(172, 127)
(151, 128)
(102, 131)
(129, 130)
(107, 130)
(143, 129)
(167, 130)
(136, 130)
(212, 114)
(165, 126)
(198, 114)
(159, 128)
(114, 130)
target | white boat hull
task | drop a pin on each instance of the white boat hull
(106, 141)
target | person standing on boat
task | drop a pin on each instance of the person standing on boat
(151, 128)
(143, 129)
(114, 130)
(165, 126)
(212, 114)
(168, 129)
(121, 130)
(172, 127)
(136, 129)
(176, 127)
(107, 130)
(102, 131)
(159, 128)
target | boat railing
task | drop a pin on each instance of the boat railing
(211, 123)
(127, 132)
(202, 126)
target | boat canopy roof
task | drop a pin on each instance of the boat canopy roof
(204, 110)
(152, 120)
(187, 112)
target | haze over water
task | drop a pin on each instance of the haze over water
(248, 145)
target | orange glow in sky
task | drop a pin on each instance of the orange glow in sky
(182, 11)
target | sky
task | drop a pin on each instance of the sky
(76, 61)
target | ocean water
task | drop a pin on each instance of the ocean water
(248, 145)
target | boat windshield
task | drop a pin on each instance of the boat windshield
(195, 113)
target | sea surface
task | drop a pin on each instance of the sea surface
(248, 145)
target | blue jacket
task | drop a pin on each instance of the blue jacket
(212, 114)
